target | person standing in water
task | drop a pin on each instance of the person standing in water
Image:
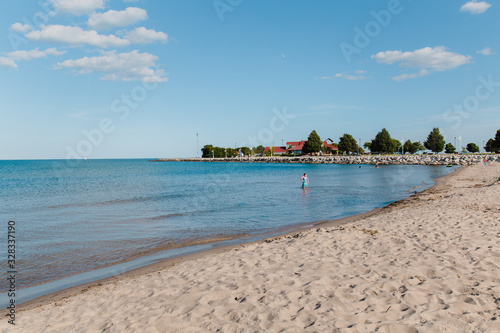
(305, 181)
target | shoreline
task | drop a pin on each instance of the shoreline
(170, 262)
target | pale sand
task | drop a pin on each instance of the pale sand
(430, 263)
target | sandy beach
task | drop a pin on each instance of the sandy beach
(429, 263)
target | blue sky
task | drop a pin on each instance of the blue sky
(127, 79)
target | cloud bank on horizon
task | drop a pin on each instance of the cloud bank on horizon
(91, 20)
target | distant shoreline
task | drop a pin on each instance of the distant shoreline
(441, 159)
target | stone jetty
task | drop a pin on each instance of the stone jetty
(439, 159)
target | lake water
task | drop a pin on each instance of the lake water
(79, 216)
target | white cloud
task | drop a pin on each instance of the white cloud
(27, 55)
(475, 7)
(34, 54)
(142, 35)
(114, 18)
(118, 66)
(428, 60)
(75, 36)
(78, 7)
(19, 27)
(403, 77)
(7, 62)
(350, 77)
(485, 51)
(345, 76)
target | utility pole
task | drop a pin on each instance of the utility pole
(197, 147)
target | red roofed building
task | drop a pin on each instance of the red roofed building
(276, 150)
(329, 146)
(295, 147)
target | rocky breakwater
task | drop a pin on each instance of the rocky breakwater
(440, 159)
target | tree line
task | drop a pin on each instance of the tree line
(219, 152)
(383, 143)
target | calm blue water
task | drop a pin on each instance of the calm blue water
(77, 217)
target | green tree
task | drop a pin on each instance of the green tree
(435, 141)
(496, 141)
(449, 149)
(412, 147)
(490, 146)
(383, 143)
(206, 151)
(244, 150)
(397, 145)
(368, 145)
(259, 149)
(408, 147)
(348, 144)
(472, 148)
(220, 152)
(419, 145)
(313, 144)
